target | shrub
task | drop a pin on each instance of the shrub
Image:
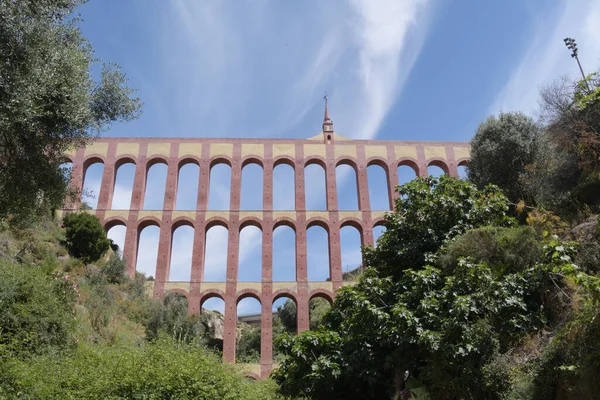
(114, 269)
(85, 236)
(36, 309)
(161, 370)
(500, 150)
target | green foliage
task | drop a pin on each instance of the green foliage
(248, 345)
(429, 212)
(500, 151)
(36, 309)
(49, 102)
(317, 308)
(162, 370)
(287, 315)
(85, 236)
(114, 269)
(506, 249)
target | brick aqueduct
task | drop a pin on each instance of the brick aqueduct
(327, 149)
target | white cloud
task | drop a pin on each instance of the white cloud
(547, 58)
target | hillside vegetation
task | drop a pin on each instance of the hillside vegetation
(87, 331)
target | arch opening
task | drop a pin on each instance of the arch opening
(463, 172)
(252, 187)
(123, 186)
(379, 191)
(435, 171)
(284, 187)
(147, 251)
(406, 173)
(285, 320)
(92, 182)
(250, 255)
(284, 254)
(317, 308)
(317, 254)
(315, 187)
(212, 311)
(117, 235)
(219, 187)
(156, 184)
(187, 186)
(215, 254)
(182, 245)
(377, 232)
(350, 243)
(247, 349)
(347, 187)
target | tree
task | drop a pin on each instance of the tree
(500, 151)
(49, 102)
(451, 291)
(565, 173)
(85, 236)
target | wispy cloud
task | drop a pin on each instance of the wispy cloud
(252, 69)
(547, 58)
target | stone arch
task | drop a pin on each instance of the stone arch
(221, 159)
(182, 221)
(148, 221)
(250, 221)
(353, 222)
(321, 293)
(156, 159)
(379, 162)
(216, 221)
(111, 222)
(209, 293)
(283, 251)
(285, 293)
(440, 163)
(284, 221)
(125, 159)
(312, 160)
(245, 293)
(252, 159)
(188, 159)
(345, 160)
(92, 159)
(284, 160)
(318, 221)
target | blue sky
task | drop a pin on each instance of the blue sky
(405, 69)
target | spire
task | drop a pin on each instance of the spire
(327, 123)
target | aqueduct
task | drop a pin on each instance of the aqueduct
(327, 149)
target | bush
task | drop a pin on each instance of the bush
(114, 269)
(36, 309)
(163, 370)
(85, 236)
(500, 150)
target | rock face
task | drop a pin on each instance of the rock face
(214, 323)
(587, 231)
